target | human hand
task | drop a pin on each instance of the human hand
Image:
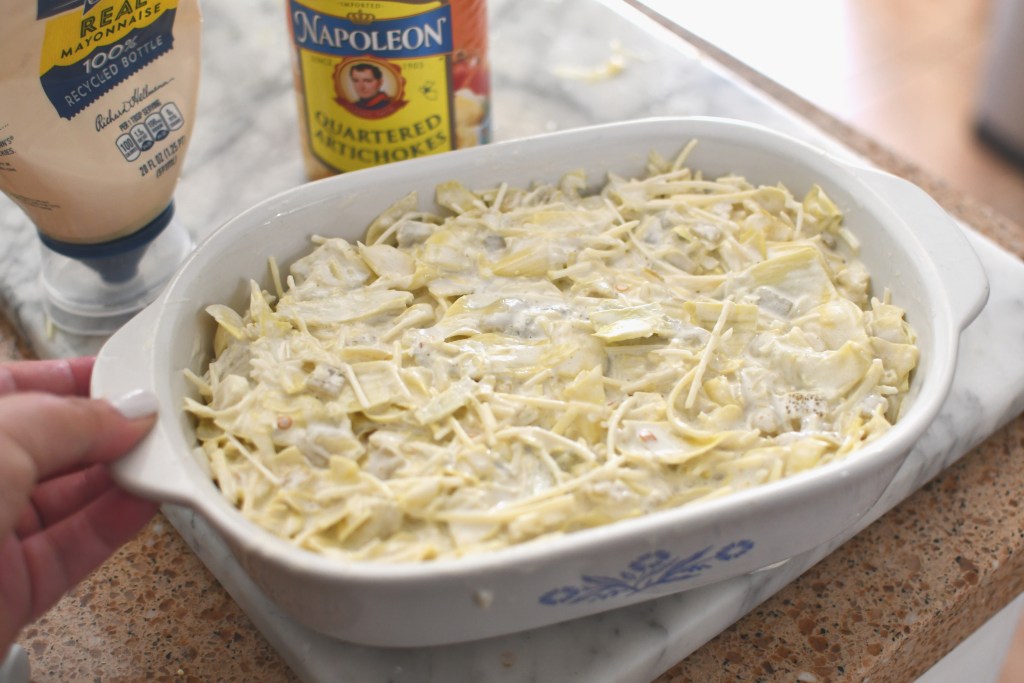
(61, 515)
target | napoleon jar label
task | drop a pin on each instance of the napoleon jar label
(376, 82)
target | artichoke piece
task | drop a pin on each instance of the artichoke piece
(386, 261)
(820, 213)
(355, 305)
(446, 403)
(798, 274)
(457, 198)
(326, 381)
(387, 218)
(615, 324)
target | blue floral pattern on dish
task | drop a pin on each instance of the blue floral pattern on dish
(648, 570)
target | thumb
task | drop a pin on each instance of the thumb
(43, 434)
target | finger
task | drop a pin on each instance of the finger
(55, 499)
(68, 376)
(42, 435)
(59, 557)
(14, 595)
(59, 432)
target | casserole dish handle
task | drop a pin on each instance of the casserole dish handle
(941, 237)
(121, 368)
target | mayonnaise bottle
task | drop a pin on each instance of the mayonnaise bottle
(97, 103)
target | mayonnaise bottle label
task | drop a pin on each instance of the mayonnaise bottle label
(86, 54)
(97, 95)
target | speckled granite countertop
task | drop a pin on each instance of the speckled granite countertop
(887, 604)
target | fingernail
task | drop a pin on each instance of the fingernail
(15, 668)
(135, 404)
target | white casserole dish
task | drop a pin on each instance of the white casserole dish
(909, 244)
